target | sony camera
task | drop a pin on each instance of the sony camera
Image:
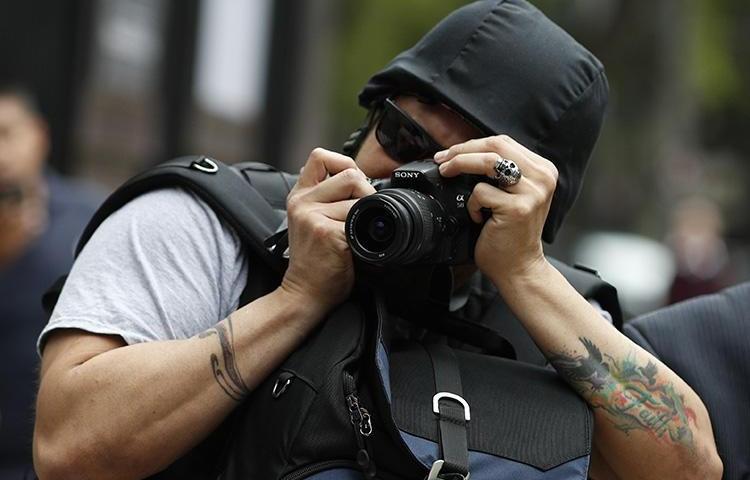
(415, 217)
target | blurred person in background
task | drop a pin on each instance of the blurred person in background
(700, 252)
(41, 215)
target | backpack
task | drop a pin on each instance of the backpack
(357, 400)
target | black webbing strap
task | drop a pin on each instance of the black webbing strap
(219, 185)
(454, 327)
(452, 413)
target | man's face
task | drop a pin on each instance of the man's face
(23, 142)
(443, 125)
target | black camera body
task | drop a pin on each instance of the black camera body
(415, 217)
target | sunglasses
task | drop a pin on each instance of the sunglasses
(403, 139)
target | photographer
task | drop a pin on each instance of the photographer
(126, 387)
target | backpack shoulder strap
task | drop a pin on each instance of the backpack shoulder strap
(231, 192)
(223, 187)
(273, 184)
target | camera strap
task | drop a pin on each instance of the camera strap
(456, 328)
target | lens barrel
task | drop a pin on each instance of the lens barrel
(394, 226)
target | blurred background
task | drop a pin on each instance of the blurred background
(125, 84)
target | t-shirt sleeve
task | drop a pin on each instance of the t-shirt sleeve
(161, 267)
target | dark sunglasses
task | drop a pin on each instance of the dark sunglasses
(403, 139)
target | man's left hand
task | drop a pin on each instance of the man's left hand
(510, 243)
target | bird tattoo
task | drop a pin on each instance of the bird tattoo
(590, 369)
(633, 395)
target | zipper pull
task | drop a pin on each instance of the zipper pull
(359, 415)
(362, 422)
(365, 426)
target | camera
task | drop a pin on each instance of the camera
(415, 217)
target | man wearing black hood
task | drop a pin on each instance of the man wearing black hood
(125, 387)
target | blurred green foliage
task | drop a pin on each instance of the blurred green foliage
(713, 71)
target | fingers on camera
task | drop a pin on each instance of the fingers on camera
(479, 163)
(346, 184)
(322, 163)
(338, 210)
(486, 196)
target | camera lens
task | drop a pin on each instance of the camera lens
(375, 229)
(381, 229)
(393, 226)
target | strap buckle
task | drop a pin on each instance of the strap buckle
(438, 466)
(440, 395)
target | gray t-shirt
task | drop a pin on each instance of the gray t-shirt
(161, 267)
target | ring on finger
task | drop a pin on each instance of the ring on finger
(507, 172)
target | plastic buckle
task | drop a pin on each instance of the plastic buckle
(205, 165)
(440, 395)
(438, 466)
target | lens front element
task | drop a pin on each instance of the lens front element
(375, 229)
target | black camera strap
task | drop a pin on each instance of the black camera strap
(474, 334)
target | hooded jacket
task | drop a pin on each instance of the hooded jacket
(508, 69)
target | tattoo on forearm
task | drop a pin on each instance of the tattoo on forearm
(225, 369)
(633, 396)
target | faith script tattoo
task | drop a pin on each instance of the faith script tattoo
(633, 395)
(225, 368)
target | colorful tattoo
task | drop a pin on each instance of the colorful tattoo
(225, 369)
(633, 396)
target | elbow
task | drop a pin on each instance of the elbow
(713, 466)
(73, 459)
(704, 464)
(53, 462)
(60, 452)
(709, 463)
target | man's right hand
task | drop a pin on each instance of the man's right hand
(320, 262)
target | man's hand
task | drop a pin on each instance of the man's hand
(320, 263)
(511, 239)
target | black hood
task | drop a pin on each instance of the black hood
(508, 69)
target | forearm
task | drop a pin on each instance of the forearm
(131, 411)
(649, 422)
